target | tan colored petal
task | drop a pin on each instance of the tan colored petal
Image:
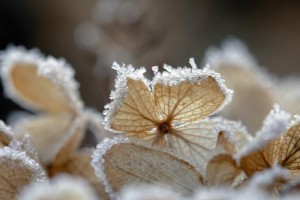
(137, 113)
(128, 163)
(36, 90)
(187, 101)
(261, 159)
(289, 154)
(225, 143)
(48, 132)
(195, 141)
(79, 164)
(16, 171)
(222, 170)
(70, 146)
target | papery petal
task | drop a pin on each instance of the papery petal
(38, 83)
(119, 162)
(17, 170)
(48, 133)
(222, 170)
(79, 164)
(137, 112)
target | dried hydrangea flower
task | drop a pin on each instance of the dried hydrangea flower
(17, 170)
(60, 188)
(47, 85)
(274, 146)
(120, 161)
(166, 111)
(243, 75)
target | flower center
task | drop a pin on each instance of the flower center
(164, 128)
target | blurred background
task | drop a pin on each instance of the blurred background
(91, 34)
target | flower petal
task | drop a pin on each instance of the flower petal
(119, 163)
(48, 132)
(38, 83)
(189, 101)
(17, 170)
(222, 170)
(137, 112)
(79, 164)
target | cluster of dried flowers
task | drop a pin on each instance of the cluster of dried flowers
(164, 138)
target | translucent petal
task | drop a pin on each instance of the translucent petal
(289, 154)
(222, 170)
(137, 113)
(17, 170)
(79, 164)
(262, 158)
(48, 133)
(70, 146)
(37, 90)
(62, 187)
(195, 142)
(189, 101)
(121, 163)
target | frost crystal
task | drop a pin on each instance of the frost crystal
(275, 124)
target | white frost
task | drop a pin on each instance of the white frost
(62, 187)
(274, 125)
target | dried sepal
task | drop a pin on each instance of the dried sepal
(166, 111)
(222, 170)
(39, 83)
(48, 132)
(62, 187)
(17, 171)
(119, 162)
(79, 164)
(282, 151)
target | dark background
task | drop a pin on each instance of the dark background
(182, 29)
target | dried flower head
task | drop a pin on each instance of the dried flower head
(47, 85)
(166, 111)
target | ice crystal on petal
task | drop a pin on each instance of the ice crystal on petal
(62, 187)
(275, 124)
(17, 170)
(9, 58)
(62, 74)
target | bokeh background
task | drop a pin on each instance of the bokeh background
(91, 34)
